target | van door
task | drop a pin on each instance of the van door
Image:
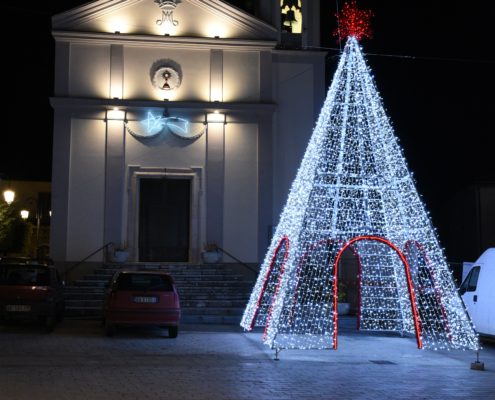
(470, 295)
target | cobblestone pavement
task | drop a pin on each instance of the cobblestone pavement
(77, 362)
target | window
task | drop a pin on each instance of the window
(471, 281)
(16, 275)
(144, 282)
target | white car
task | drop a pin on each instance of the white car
(478, 292)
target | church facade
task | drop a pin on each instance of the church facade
(179, 124)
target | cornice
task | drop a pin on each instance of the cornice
(176, 42)
(77, 104)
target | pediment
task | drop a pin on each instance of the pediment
(189, 18)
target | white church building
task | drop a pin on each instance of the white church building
(179, 123)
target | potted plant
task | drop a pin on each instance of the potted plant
(343, 307)
(211, 254)
(120, 254)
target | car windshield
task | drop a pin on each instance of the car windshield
(19, 275)
(160, 283)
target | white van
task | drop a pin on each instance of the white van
(478, 292)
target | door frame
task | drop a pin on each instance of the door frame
(197, 228)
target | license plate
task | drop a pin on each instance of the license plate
(145, 299)
(17, 308)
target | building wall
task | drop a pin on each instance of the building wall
(89, 70)
(195, 65)
(241, 76)
(86, 190)
(467, 219)
(245, 166)
(240, 221)
(299, 95)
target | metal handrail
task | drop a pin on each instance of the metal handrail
(75, 265)
(239, 261)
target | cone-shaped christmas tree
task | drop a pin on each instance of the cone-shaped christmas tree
(354, 194)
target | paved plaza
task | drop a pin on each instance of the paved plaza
(77, 362)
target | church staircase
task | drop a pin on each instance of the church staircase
(209, 293)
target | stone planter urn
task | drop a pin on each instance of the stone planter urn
(211, 254)
(210, 257)
(120, 256)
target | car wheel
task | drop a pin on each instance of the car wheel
(109, 329)
(173, 331)
(60, 313)
(50, 323)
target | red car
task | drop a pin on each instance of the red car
(142, 298)
(30, 290)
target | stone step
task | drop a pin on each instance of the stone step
(84, 289)
(213, 303)
(187, 313)
(99, 277)
(177, 278)
(211, 319)
(83, 296)
(90, 281)
(208, 293)
(212, 311)
(214, 295)
(179, 272)
(184, 297)
(203, 293)
(171, 267)
(215, 284)
(189, 305)
(71, 304)
(83, 311)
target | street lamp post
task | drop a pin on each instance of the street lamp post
(8, 196)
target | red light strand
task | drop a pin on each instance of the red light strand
(353, 22)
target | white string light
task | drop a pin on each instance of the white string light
(353, 185)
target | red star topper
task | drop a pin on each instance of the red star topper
(353, 22)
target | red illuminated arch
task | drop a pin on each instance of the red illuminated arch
(438, 294)
(285, 243)
(409, 285)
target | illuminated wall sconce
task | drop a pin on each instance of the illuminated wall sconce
(24, 214)
(116, 91)
(117, 25)
(9, 196)
(216, 117)
(115, 115)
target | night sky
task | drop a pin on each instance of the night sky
(434, 67)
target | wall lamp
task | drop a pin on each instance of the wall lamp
(216, 117)
(115, 115)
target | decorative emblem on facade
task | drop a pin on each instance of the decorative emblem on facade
(166, 75)
(154, 125)
(167, 7)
